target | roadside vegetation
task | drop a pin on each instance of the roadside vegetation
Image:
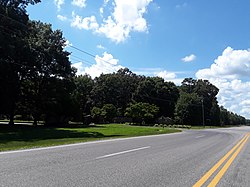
(39, 85)
(23, 137)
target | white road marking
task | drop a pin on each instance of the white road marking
(123, 152)
(86, 143)
(201, 136)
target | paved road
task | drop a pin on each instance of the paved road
(166, 160)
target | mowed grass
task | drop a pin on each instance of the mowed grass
(23, 137)
(209, 127)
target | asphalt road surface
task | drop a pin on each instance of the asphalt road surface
(192, 158)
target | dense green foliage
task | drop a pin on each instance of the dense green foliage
(37, 82)
(36, 75)
(142, 112)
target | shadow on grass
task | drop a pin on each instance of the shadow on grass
(30, 134)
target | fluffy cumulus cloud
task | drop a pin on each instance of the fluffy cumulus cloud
(61, 17)
(169, 76)
(189, 58)
(231, 64)
(230, 73)
(126, 17)
(166, 75)
(79, 3)
(87, 23)
(58, 4)
(105, 64)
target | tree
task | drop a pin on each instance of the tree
(215, 114)
(14, 52)
(51, 65)
(142, 112)
(96, 114)
(188, 109)
(81, 96)
(155, 90)
(116, 88)
(207, 92)
(229, 118)
(105, 114)
(108, 112)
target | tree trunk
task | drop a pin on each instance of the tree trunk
(11, 122)
(12, 113)
(35, 121)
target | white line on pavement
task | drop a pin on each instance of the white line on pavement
(200, 136)
(86, 143)
(123, 152)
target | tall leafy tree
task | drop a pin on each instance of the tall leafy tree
(108, 112)
(155, 90)
(81, 96)
(14, 52)
(116, 89)
(142, 112)
(51, 65)
(188, 109)
(207, 92)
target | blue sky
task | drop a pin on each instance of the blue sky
(172, 39)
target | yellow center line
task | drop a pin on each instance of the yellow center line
(218, 164)
(217, 178)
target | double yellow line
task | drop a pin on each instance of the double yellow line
(232, 154)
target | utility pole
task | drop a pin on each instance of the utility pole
(203, 117)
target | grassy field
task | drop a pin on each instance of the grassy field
(22, 137)
(210, 127)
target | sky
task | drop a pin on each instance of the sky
(172, 39)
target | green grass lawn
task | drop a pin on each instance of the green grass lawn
(22, 137)
(209, 127)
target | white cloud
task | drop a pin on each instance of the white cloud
(58, 4)
(105, 64)
(227, 73)
(246, 102)
(101, 10)
(189, 58)
(127, 17)
(87, 23)
(169, 76)
(106, 2)
(79, 3)
(61, 17)
(166, 75)
(100, 46)
(231, 64)
(80, 68)
(67, 44)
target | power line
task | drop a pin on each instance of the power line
(89, 63)
(76, 48)
(81, 59)
(85, 52)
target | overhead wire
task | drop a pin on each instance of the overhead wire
(79, 59)
(73, 47)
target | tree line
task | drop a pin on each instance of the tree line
(37, 82)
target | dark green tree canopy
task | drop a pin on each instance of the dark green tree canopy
(37, 80)
(155, 90)
(142, 112)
